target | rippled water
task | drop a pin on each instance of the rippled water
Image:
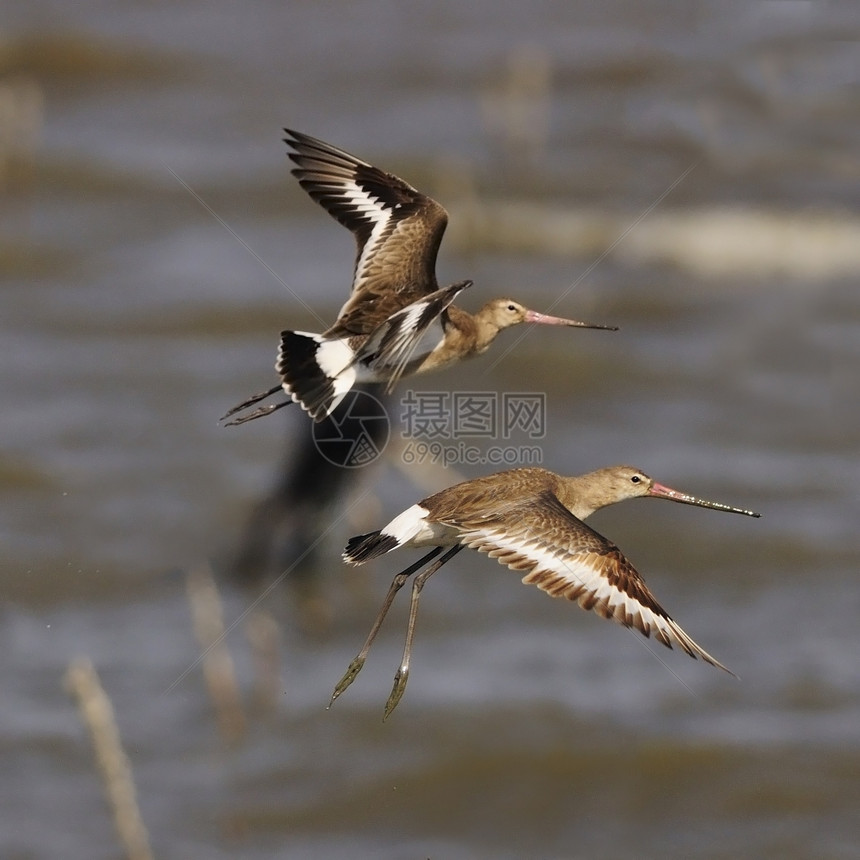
(152, 245)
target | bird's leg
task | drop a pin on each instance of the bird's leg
(257, 413)
(254, 398)
(402, 674)
(396, 584)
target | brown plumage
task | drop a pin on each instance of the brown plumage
(397, 320)
(531, 520)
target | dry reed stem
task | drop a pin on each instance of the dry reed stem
(218, 669)
(264, 637)
(98, 716)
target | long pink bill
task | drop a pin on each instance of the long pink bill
(546, 319)
(661, 492)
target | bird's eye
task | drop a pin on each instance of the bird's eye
(635, 479)
(512, 307)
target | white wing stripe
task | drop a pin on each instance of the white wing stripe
(544, 558)
(360, 199)
(582, 576)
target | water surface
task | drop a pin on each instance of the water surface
(152, 246)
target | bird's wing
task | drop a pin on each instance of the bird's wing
(564, 557)
(397, 229)
(410, 334)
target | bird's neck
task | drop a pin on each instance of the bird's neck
(465, 336)
(574, 493)
(486, 327)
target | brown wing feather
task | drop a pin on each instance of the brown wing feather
(564, 557)
(397, 230)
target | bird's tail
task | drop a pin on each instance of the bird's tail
(403, 529)
(362, 548)
(317, 372)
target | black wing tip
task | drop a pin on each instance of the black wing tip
(314, 147)
(304, 145)
(293, 136)
(295, 141)
(362, 548)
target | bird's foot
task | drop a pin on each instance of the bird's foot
(257, 413)
(349, 676)
(400, 679)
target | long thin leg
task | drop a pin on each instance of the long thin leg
(258, 413)
(396, 584)
(402, 674)
(254, 398)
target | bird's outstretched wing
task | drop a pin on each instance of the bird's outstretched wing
(564, 557)
(397, 230)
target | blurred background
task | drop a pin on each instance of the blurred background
(688, 172)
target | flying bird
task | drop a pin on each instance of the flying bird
(530, 520)
(397, 320)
